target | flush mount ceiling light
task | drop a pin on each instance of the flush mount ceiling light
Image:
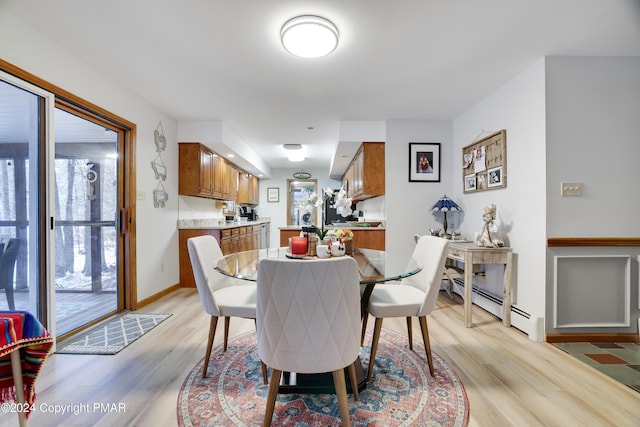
(309, 36)
(294, 152)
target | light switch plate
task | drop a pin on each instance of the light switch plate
(570, 189)
(141, 195)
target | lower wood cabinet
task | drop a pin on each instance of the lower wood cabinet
(366, 239)
(231, 240)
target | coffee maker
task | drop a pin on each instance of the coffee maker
(250, 213)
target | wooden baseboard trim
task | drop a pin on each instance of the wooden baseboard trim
(157, 296)
(592, 241)
(558, 338)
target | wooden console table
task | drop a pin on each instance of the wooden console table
(471, 255)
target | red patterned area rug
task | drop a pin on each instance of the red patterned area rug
(401, 393)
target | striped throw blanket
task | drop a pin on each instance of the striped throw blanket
(21, 331)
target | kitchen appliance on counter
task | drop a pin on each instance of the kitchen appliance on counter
(250, 213)
(332, 214)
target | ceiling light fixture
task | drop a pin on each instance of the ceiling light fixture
(294, 152)
(309, 36)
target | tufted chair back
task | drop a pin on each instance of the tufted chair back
(308, 314)
(203, 252)
(430, 253)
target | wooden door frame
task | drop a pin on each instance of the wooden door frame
(80, 106)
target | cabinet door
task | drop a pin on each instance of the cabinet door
(232, 180)
(206, 172)
(254, 192)
(225, 246)
(217, 176)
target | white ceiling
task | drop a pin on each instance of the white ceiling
(407, 59)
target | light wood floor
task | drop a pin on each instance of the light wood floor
(510, 380)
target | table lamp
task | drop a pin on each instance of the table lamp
(445, 205)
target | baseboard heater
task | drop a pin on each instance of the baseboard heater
(493, 304)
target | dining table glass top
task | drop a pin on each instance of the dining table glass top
(374, 266)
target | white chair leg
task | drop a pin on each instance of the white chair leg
(212, 333)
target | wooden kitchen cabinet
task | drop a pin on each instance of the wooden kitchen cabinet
(203, 173)
(248, 189)
(196, 170)
(231, 181)
(231, 240)
(364, 178)
(366, 239)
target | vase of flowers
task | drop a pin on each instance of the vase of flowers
(345, 237)
(340, 200)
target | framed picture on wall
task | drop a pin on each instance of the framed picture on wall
(470, 182)
(424, 162)
(486, 159)
(495, 177)
(273, 195)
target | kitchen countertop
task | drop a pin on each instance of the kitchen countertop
(216, 223)
(331, 227)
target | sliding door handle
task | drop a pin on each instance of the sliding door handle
(121, 221)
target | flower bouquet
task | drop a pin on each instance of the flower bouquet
(345, 237)
(340, 200)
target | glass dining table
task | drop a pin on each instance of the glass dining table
(374, 266)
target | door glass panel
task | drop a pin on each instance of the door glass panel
(300, 207)
(20, 206)
(86, 206)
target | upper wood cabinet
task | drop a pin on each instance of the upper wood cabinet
(248, 189)
(203, 173)
(196, 170)
(364, 178)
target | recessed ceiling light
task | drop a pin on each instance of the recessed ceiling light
(309, 36)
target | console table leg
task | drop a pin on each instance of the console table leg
(468, 288)
(506, 297)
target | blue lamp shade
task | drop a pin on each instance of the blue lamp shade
(445, 205)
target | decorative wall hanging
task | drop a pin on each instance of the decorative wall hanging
(484, 163)
(160, 195)
(160, 140)
(424, 162)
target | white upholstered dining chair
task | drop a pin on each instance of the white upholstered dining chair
(221, 296)
(414, 296)
(308, 320)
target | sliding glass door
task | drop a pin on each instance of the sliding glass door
(23, 131)
(63, 216)
(86, 202)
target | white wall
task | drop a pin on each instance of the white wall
(593, 112)
(593, 128)
(519, 107)
(408, 203)
(157, 239)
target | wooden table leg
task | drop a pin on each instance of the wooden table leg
(468, 288)
(506, 292)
